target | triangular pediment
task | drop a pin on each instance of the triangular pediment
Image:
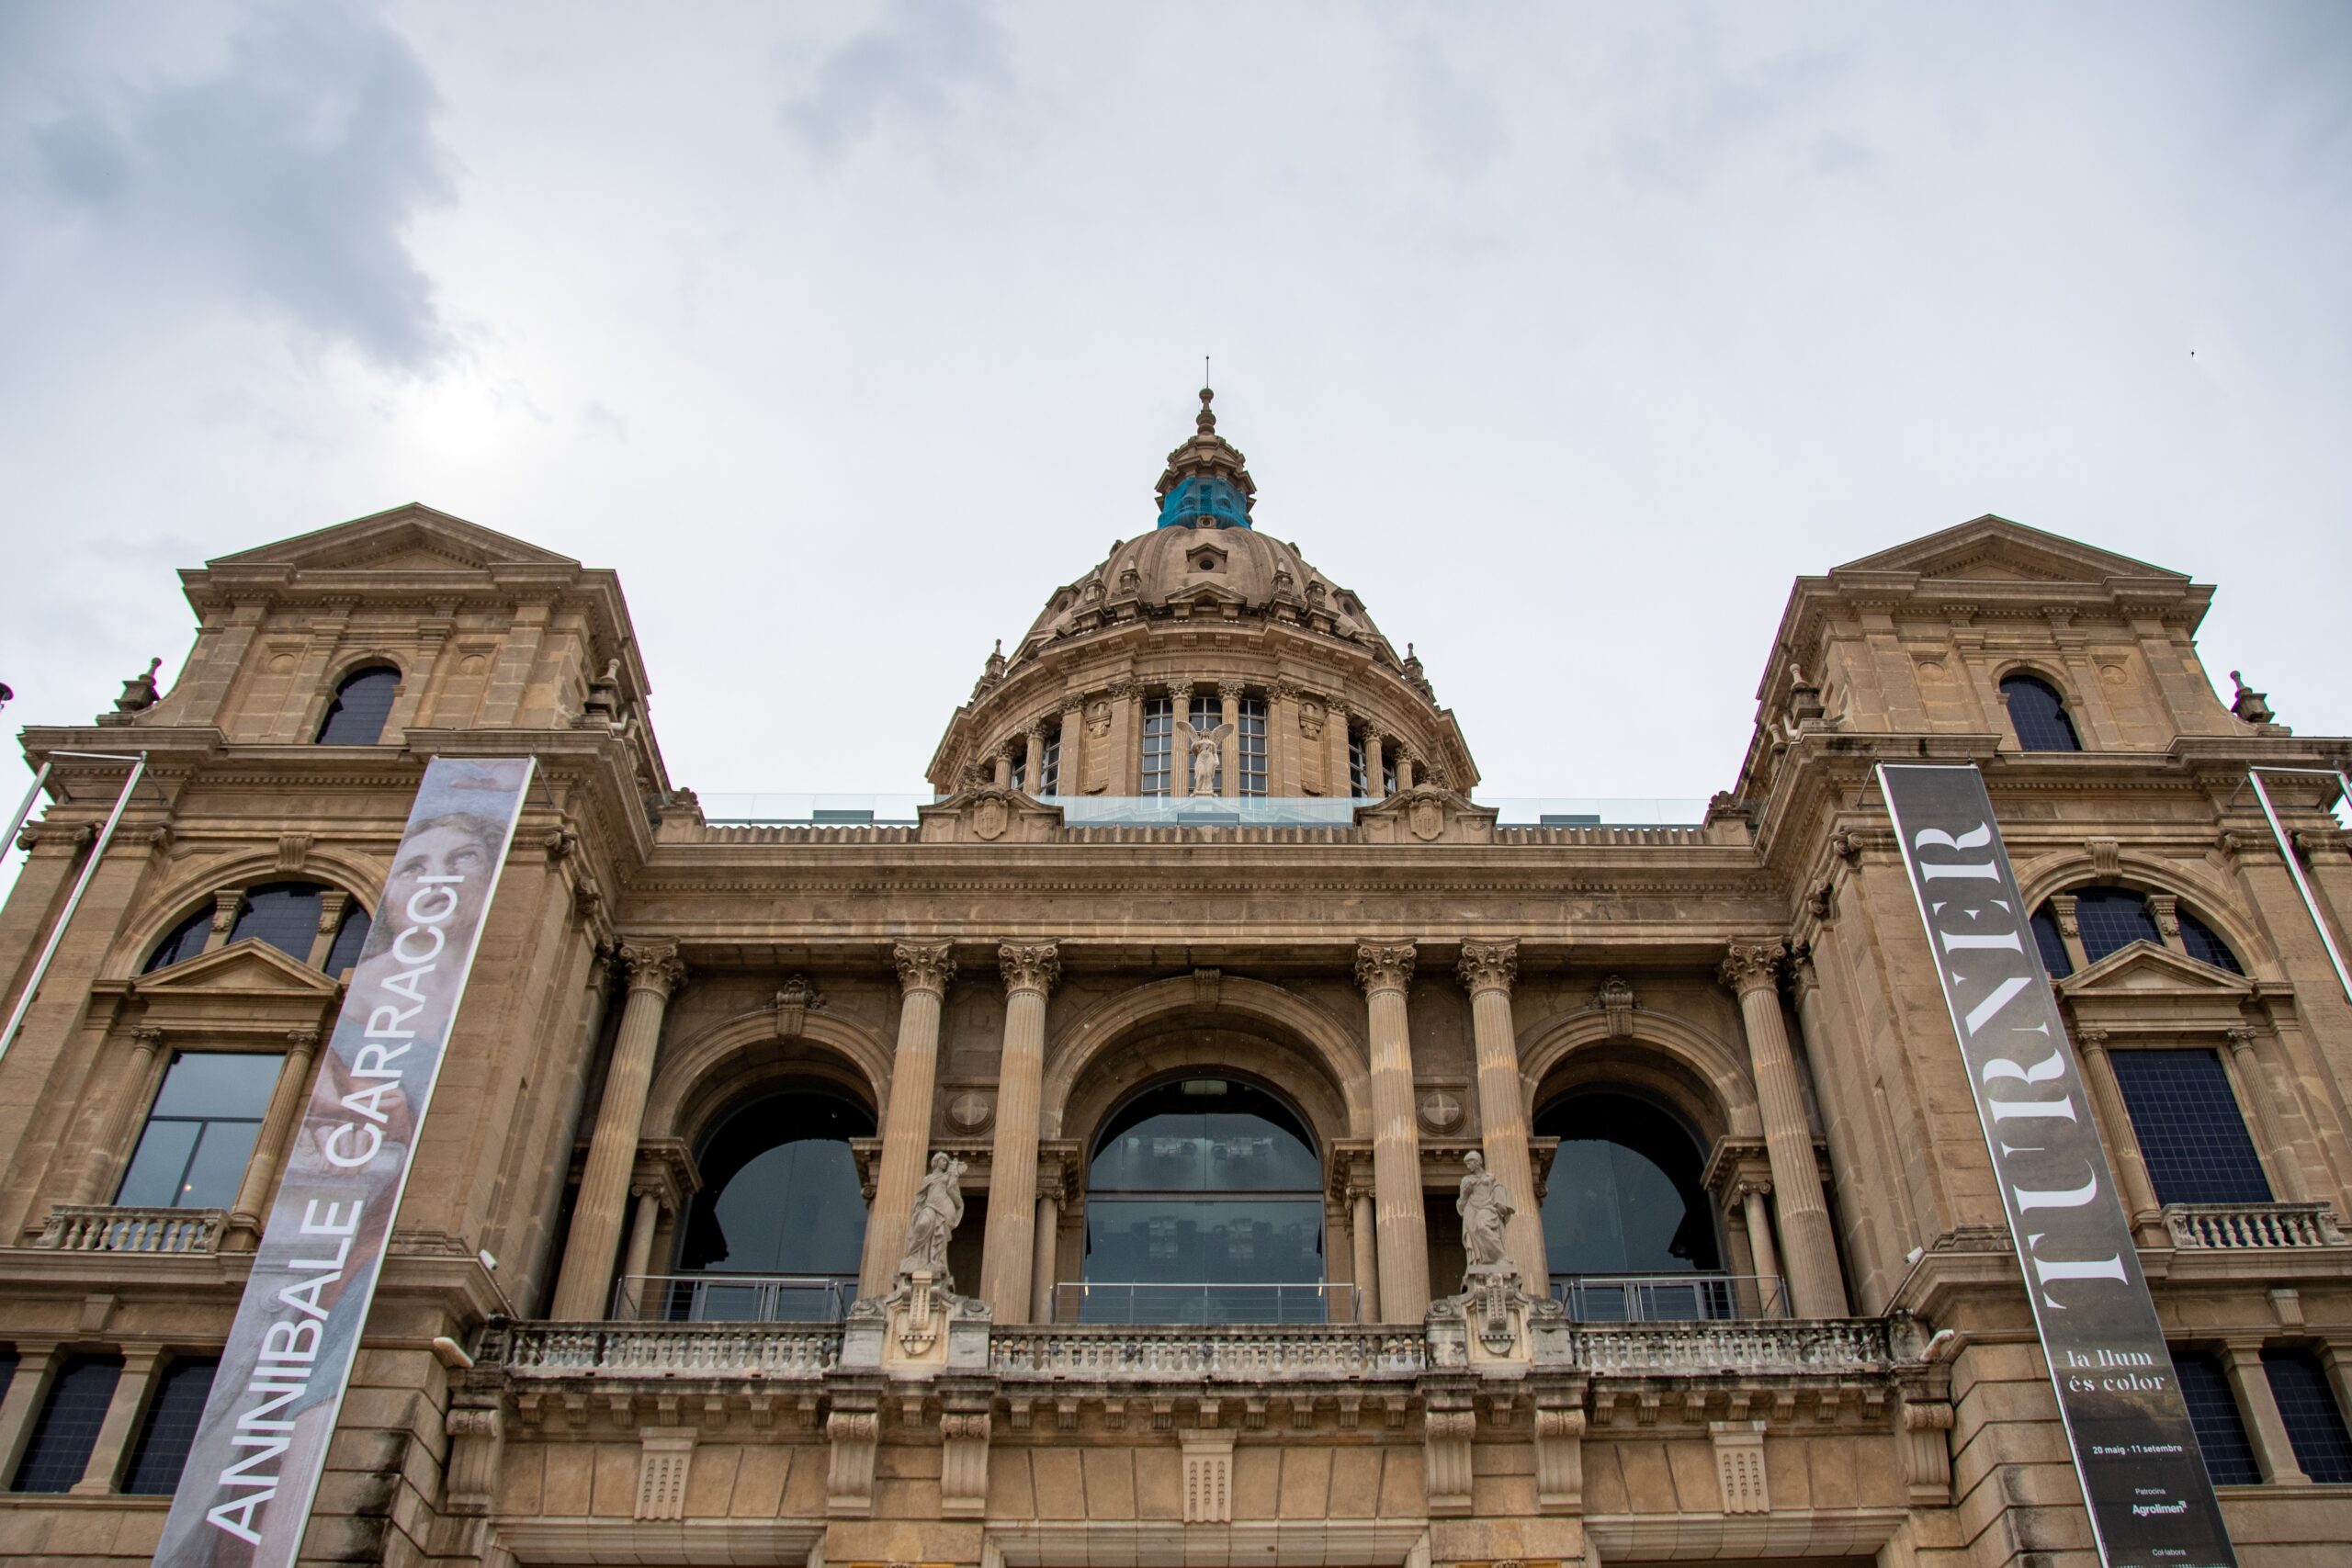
(408, 539)
(2146, 969)
(1994, 550)
(247, 968)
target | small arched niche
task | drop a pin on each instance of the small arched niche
(777, 1229)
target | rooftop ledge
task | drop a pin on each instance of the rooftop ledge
(764, 810)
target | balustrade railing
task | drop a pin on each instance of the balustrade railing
(733, 1298)
(2247, 1226)
(1815, 1345)
(627, 1350)
(1668, 1298)
(1208, 1354)
(97, 1227)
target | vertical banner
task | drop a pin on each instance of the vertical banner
(245, 1494)
(2151, 1502)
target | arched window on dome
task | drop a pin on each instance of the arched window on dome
(362, 702)
(1250, 744)
(1204, 1204)
(776, 1233)
(2037, 714)
(1627, 1226)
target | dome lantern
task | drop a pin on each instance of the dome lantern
(1206, 483)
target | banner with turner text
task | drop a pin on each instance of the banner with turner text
(245, 1496)
(2151, 1501)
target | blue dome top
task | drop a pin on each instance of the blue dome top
(1209, 496)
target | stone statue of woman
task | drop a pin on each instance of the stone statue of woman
(1484, 1209)
(939, 1209)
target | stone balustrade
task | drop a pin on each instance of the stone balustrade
(2246, 1226)
(101, 1227)
(1744, 1348)
(696, 1350)
(1192, 1354)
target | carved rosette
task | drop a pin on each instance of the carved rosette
(1753, 965)
(924, 966)
(653, 966)
(1488, 966)
(1030, 966)
(1384, 966)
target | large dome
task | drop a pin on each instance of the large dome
(1204, 609)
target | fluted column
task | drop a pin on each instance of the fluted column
(636, 1262)
(1375, 782)
(1758, 1215)
(925, 968)
(581, 1290)
(1488, 971)
(2276, 1148)
(276, 1131)
(102, 1163)
(1228, 698)
(1032, 760)
(1814, 1286)
(1385, 973)
(1070, 770)
(1361, 1227)
(2122, 1141)
(1008, 1253)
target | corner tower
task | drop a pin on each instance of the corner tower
(1204, 619)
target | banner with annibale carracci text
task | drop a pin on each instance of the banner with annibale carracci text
(2151, 1502)
(245, 1496)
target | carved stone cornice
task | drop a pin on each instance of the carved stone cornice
(653, 966)
(1030, 966)
(924, 966)
(1488, 966)
(1753, 965)
(1384, 966)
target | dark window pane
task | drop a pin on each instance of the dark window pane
(1051, 767)
(349, 938)
(283, 914)
(1194, 1241)
(2214, 1412)
(160, 1452)
(8, 1370)
(1159, 739)
(68, 1427)
(2112, 919)
(2038, 716)
(1359, 773)
(218, 1165)
(158, 1165)
(2204, 946)
(2190, 1127)
(1624, 1196)
(1205, 1135)
(780, 1192)
(185, 941)
(218, 1083)
(2307, 1405)
(2050, 944)
(1250, 744)
(361, 704)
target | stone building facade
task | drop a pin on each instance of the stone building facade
(1209, 970)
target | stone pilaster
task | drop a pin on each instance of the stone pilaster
(654, 972)
(1488, 970)
(270, 1144)
(925, 970)
(1008, 1257)
(1335, 733)
(2277, 1151)
(1384, 970)
(2123, 1142)
(1752, 970)
(1228, 698)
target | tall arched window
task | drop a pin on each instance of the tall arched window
(779, 1200)
(2039, 715)
(361, 704)
(1624, 1205)
(1204, 1204)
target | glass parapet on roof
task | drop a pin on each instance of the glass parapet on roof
(1185, 811)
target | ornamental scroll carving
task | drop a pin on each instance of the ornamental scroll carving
(1030, 966)
(924, 966)
(1384, 966)
(1488, 966)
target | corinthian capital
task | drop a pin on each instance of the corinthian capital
(1488, 965)
(1753, 965)
(653, 966)
(1384, 966)
(1030, 966)
(924, 966)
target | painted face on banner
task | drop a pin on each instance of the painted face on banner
(454, 846)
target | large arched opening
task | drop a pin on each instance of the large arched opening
(1629, 1231)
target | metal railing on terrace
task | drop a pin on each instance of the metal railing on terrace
(1668, 1298)
(733, 1298)
(1175, 1304)
(789, 810)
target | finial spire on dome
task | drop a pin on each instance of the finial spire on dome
(1206, 483)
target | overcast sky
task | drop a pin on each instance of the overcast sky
(1565, 335)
